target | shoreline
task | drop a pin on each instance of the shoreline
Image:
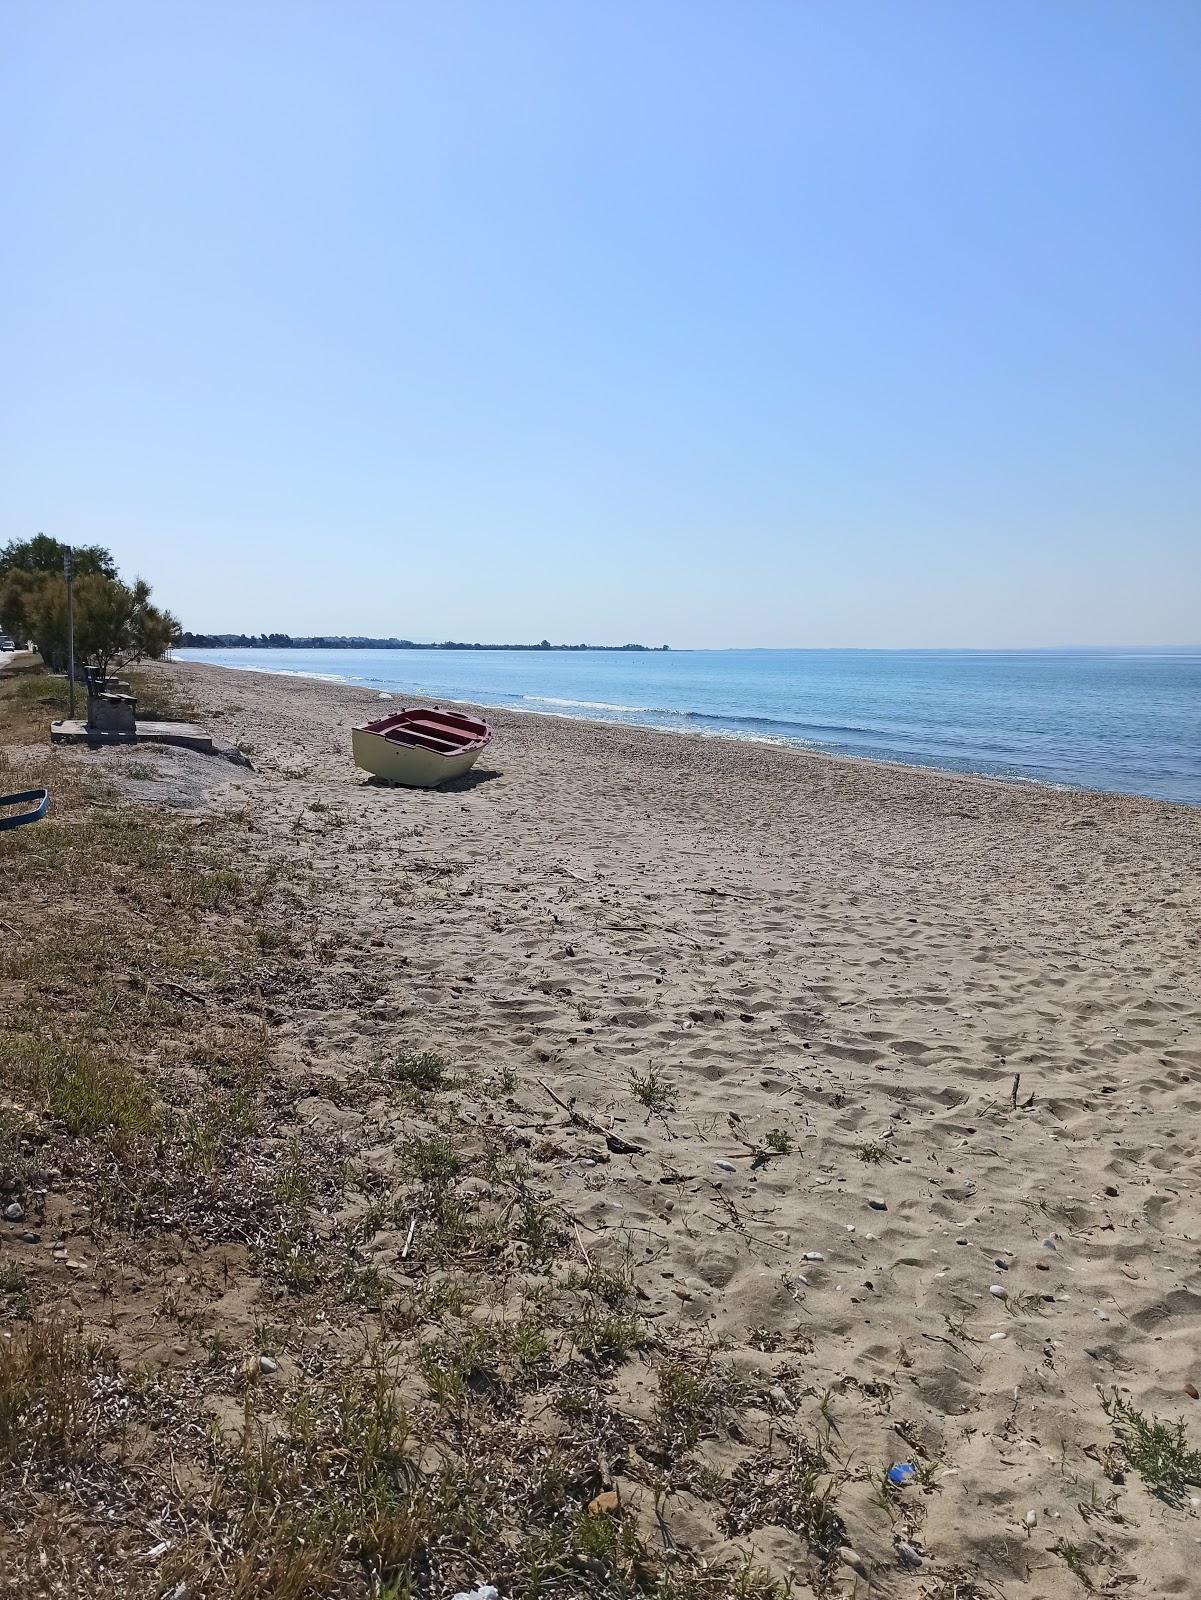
(967, 1012)
(723, 1121)
(796, 747)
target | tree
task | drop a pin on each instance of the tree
(17, 591)
(115, 624)
(42, 620)
(44, 554)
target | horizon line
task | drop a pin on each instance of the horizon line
(709, 649)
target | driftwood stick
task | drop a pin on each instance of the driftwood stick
(557, 1099)
(578, 1118)
(580, 1242)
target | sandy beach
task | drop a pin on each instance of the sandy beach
(880, 1088)
(971, 1009)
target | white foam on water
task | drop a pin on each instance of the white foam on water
(586, 705)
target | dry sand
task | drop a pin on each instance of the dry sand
(865, 959)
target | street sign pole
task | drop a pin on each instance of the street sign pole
(69, 575)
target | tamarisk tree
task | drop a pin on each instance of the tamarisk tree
(115, 622)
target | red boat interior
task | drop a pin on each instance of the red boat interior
(448, 733)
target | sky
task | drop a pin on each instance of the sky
(772, 322)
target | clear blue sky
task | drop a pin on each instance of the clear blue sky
(744, 323)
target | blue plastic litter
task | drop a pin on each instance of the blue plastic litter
(39, 799)
(904, 1472)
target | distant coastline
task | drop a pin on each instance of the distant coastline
(285, 641)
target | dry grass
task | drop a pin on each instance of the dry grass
(30, 700)
(420, 1422)
(160, 696)
(52, 1383)
(86, 1092)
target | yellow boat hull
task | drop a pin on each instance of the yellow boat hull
(407, 764)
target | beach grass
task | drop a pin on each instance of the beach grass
(140, 1066)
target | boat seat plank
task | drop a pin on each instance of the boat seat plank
(410, 735)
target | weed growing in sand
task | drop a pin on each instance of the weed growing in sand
(292, 1243)
(331, 816)
(434, 1160)
(1107, 1509)
(688, 1404)
(537, 1227)
(576, 1539)
(746, 1583)
(51, 1378)
(870, 1152)
(207, 890)
(506, 1081)
(87, 1092)
(957, 1327)
(276, 944)
(293, 1186)
(369, 1286)
(12, 1279)
(1074, 1558)
(422, 1070)
(479, 1360)
(779, 1142)
(1158, 1451)
(607, 1336)
(653, 1091)
(960, 1584)
(615, 1288)
(223, 1118)
(340, 1475)
(431, 1302)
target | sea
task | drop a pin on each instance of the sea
(1127, 721)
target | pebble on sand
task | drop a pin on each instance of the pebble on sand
(14, 1212)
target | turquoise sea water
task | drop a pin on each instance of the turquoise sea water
(1125, 720)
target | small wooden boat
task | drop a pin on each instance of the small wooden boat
(420, 747)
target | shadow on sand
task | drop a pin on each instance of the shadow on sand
(469, 780)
